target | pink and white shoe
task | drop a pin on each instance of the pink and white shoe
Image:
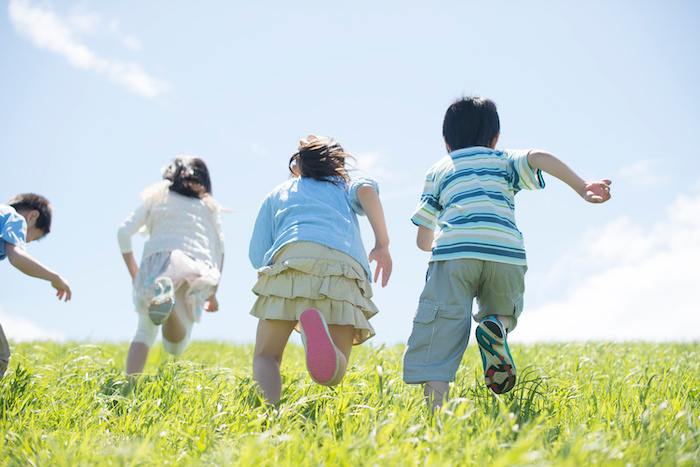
(321, 354)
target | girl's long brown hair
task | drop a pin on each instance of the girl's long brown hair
(321, 158)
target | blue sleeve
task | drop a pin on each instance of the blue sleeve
(524, 176)
(13, 229)
(263, 234)
(352, 191)
(429, 208)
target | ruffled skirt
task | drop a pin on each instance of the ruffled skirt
(309, 275)
(199, 277)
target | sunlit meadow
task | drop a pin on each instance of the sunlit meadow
(579, 404)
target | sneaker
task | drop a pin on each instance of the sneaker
(321, 353)
(163, 301)
(499, 369)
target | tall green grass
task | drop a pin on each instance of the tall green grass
(583, 404)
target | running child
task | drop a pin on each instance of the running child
(477, 251)
(182, 258)
(313, 273)
(25, 218)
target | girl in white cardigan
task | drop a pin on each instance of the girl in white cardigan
(182, 258)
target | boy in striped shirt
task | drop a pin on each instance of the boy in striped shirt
(466, 218)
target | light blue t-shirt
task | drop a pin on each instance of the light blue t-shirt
(307, 210)
(13, 229)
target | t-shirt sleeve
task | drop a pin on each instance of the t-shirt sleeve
(14, 230)
(525, 177)
(429, 208)
(129, 227)
(352, 192)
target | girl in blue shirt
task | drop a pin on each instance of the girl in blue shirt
(313, 272)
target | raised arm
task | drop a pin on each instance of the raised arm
(593, 192)
(31, 267)
(369, 200)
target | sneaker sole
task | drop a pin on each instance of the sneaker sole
(499, 369)
(163, 303)
(321, 356)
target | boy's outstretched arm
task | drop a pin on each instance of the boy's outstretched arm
(31, 267)
(593, 192)
(369, 200)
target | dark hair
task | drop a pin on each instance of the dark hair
(320, 158)
(189, 176)
(32, 202)
(470, 121)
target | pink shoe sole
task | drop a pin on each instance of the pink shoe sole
(321, 354)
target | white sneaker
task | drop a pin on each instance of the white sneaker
(163, 301)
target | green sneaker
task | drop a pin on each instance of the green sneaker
(499, 369)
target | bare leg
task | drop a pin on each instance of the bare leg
(342, 338)
(136, 359)
(435, 393)
(173, 329)
(505, 321)
(270, 341)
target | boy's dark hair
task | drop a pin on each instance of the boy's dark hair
(470, 121)
(33, 202)
(189, 176)
(320, 158)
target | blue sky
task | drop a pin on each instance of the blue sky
(97, 97)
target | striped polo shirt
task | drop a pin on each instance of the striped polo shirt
(469, 198)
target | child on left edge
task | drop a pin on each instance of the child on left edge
(182, 259)
(25, 218)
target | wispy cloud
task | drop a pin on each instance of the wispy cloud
(644, 172)
(22, 330)
(646, 288)
(49, 31)
(374, 164)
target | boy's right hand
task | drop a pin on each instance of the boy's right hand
(597, 192)
(62, 288)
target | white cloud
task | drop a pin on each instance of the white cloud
(22, 330)
(646, 288)
(257, 149)
(374, 164)
(48, 31)
(644, 172)
(132, 42)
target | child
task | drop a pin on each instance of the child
(23, 219)
(312, 266)
(182, 259)
(477, 250)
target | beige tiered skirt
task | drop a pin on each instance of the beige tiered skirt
(309, 275)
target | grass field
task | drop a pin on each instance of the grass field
(574, 405)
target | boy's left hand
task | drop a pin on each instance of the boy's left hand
(597, 192)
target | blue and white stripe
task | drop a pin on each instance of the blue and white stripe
(469, 198)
